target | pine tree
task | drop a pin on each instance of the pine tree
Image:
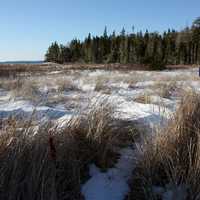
(53, 53)
(65, 54)
(171, 47)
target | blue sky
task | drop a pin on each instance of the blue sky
(27, 27)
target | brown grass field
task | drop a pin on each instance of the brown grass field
(14, 69)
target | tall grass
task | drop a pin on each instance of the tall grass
(52, 164)
(43, 166)
(95, 130)
(66, 85)
(172, 157)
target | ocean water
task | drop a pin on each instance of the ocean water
(22, 62)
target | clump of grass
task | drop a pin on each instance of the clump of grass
(96, 132)
(66, 85)
(53, 163)
(43, 166)
(28, 90)
(167, 89)
(172, 157)
(134, 79)
(101, 85)
(11, 83)
(132, 83)
(144, 98)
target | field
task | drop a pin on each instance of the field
(99, 134)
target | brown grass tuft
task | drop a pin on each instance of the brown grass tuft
(66, 85)
(96, 132)
(144, 98)
(173, 155)
(53, 163)
(102, 85)
(166, 89)
(28, 171)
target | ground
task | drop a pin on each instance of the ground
(147, 98)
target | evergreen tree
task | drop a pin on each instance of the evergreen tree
(65, 54)
(171, 47)
(53, 53)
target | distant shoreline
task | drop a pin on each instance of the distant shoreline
(23, 62)
(8, 68)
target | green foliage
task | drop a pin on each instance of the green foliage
(154, 49)
(196, 22)
(53, 53)
(156, 63)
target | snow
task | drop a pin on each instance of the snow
(171, 192)
(26, 108)
(147, 114)
(126, 109)
(5, 96)
(55, 72)
(120, 85)
(113, 184)
(145, 83)
(171, 104)
(129, 93)
(85, 86)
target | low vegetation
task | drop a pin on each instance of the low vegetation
(64, 84)
(52, 164)
(144, 98)
(168, 89)
(170, 160)
(51, 161)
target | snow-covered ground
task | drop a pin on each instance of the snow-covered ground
(113, 184)
(149, 98)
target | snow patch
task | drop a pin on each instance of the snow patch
(113, 184)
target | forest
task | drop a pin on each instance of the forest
(151, 48)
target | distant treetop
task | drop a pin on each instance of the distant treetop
(149, 48)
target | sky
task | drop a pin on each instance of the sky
(28, 27)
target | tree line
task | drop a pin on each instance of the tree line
(171, 47)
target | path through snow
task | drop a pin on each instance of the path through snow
(113, 184)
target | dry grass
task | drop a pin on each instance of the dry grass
(181, 76)
(173, 155)
(28, 90)
(144, 98)
(52, 164)
(11, 83)
(44, 166)
(96, 130)
(64, 84)
(101, 83)
(167, 89)
(132, 81)
(25, 88)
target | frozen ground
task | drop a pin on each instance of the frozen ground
(113, 184)
(146, 97)
(59, 95)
